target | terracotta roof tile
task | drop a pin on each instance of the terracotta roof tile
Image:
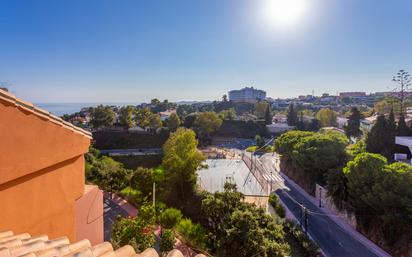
(23, 245)
(27, 106)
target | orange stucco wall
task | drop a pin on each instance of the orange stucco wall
(41, 173)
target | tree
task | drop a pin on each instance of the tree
(228, 114)
(314, 125)
(206, 123)
(181, 160)
(268, 115)
(403, 129)
(154, 121)
(224, 98)
(260, 109)
(142, 180)
(155, 102)
(327, 117)
(189, 121)
(240, 229)
(387, 104)
(311, 155)
(380, 196)
(142, 117)
(107, 173)
(301, 124)
(259, 141)
(292, 115)
(402, 82)
(381, 138)
(173, 122)
(353, 127)
(102, 116)
(126, 116)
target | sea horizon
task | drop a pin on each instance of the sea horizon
(60, 109)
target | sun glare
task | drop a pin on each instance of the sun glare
(283, 13)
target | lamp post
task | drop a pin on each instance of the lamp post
(320, 197)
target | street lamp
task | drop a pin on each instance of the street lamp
(320, 197)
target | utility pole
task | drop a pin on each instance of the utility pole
(306, 219)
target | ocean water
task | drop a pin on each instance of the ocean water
(59, 109)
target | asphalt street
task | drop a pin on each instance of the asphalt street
(331, 238)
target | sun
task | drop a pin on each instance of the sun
(283, 13)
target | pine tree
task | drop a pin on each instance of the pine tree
(381, 138)
(301, 124)
(353, 127)
(314, 125)
(268, 116)
(292, 116)
(402, 129)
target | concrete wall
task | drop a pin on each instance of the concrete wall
(327, 201)
(41, 170)
(89, 216)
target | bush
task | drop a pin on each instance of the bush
(137, 232)
(307, 246)
(194, 233)
(251, 148)
(135, 161)
(133, 196)
(167, 240)
(126, 140)
(170, 218)
(242, 129)
(274, 201)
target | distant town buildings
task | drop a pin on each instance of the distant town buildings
(247, 95)
(352, 94)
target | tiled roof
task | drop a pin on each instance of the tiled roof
(24, 245)
(27, 106)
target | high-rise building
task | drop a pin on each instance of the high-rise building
(247, 95)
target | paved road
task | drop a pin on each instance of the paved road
(332, 239)
(137, 151)
(111, 211)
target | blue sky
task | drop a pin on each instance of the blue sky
(135, 50)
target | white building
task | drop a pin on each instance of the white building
(247, 95)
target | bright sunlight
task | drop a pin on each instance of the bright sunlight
(283, 13)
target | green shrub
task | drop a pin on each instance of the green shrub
(126, 140)
(170, 218)
(251, 148)
(136, 232)
(167, 240)
(274, 201)
(306, 245)
(241, 128)
(193, 233)
(133, 196)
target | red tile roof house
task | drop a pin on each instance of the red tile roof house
(42, 187)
